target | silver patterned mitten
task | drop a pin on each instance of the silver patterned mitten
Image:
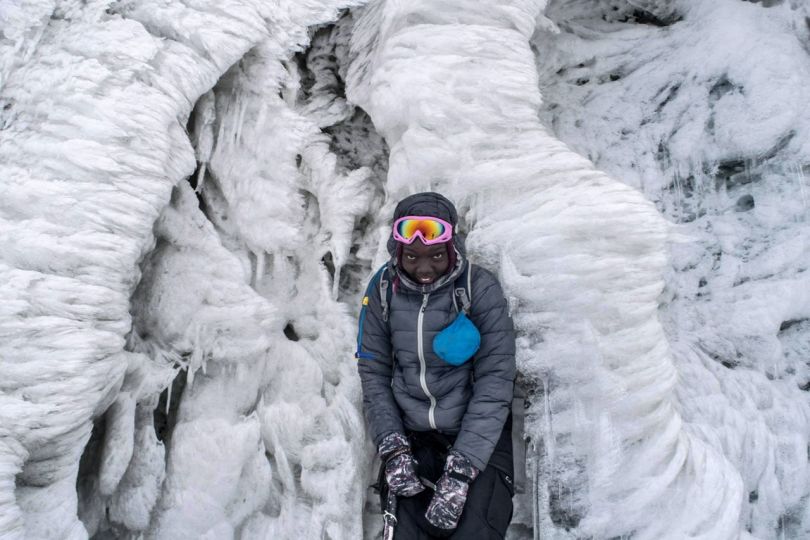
(451, 492)
(400, 466)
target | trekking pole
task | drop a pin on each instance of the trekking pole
(389, 516)
(427, 483)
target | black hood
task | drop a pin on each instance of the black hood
(427, 203)
(435, 205)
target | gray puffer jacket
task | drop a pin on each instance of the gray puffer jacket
(406, 385)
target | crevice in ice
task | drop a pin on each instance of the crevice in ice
(87, 478)
(655, 13)
(722, 87)
(744, 203)
(766, 3)
(787, 325)
(290, 333)
(329, 263)
(643, 16)
(168, 405)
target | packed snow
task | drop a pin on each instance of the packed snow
(194, 195)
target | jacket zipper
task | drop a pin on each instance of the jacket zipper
(422, 365)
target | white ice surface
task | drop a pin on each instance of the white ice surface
(95, 99)
(582, 255)
(662, 305)
(708, 116)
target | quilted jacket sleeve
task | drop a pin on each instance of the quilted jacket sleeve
(375, 365)
(493, 368)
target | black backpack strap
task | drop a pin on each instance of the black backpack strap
(385, 292)
(462, 290)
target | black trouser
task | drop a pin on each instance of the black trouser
(488, 509)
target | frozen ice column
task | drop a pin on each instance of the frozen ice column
(452, 86)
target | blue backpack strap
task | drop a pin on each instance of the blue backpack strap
(378, 279)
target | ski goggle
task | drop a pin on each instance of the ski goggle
(430, 229)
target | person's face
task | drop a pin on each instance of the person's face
(424, 264)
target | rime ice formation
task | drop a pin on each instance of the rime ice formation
(453, 90)
(90, 148)
(192, 199)
(704, 108)
(95, 96)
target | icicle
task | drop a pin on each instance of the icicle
(169, 396)
(535, 494)
(200, 177)
(196, 359)
(237, 135)
(290, 90)
(548, 436)
(542, 460)
(260, 265)
(336, 281)
(118, 443)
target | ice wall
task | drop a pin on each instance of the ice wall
(454, 89)
(280, 203)
(95, 98)
(175, 355)
(90, 148)
(703, 107)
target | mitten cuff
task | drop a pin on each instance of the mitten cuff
(393, 443)
(460, 467)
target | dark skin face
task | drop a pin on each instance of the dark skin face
(424, 264)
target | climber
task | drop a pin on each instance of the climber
(436, 357)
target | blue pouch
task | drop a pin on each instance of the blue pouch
(458, 342)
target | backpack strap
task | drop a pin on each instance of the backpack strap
(378, 280)
(462, 290)
(385, 292)
(462, 294)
